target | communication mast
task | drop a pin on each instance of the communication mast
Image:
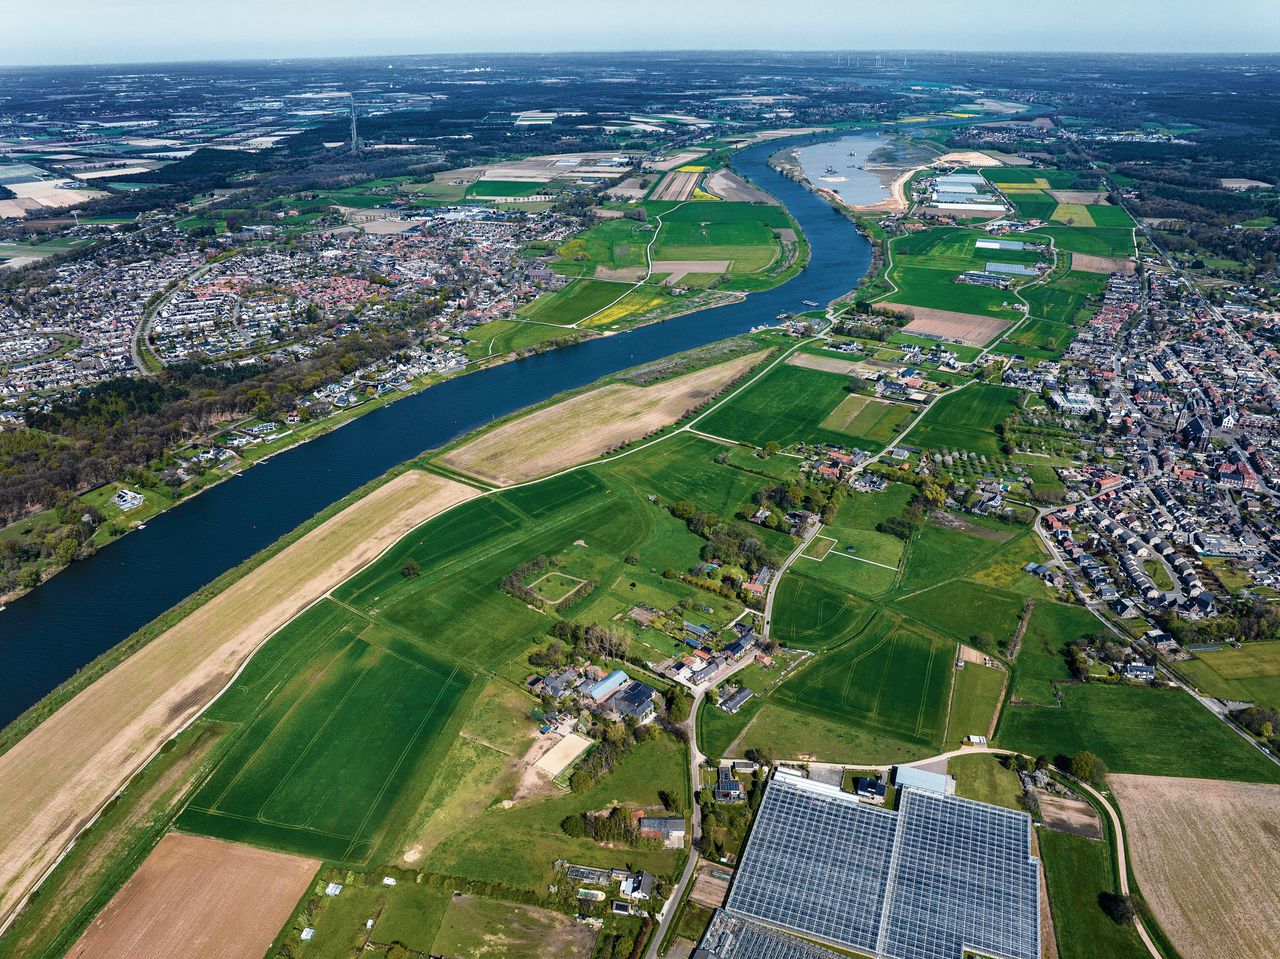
(355, 135)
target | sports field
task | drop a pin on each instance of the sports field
(1136, 729)
(1203, 853)
(197, 898)
(894, 676)
(354, 698)
(585, 426)
(966, 419)
(1251, 673)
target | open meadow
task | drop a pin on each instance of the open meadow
(1248, 674)
(966, 419)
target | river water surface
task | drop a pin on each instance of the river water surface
(91, 606)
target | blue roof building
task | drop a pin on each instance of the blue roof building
(608, 686)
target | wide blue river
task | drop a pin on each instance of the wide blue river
(85, 610)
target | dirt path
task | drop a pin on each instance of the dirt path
(55, 780)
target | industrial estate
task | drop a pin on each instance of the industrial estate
(799, 505)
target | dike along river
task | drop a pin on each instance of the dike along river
(91, 606)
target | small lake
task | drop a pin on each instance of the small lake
(841, 166)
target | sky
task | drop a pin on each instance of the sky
(133, 31)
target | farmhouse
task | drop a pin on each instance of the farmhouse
(670, 829)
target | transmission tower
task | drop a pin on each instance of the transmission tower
(355, 135)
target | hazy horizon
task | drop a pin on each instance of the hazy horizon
(148, 31)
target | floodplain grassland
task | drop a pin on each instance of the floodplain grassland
(53, 779)
(590, 424)
(574, 302)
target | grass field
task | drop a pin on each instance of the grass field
(574, 302)
(797, 734)
(742, 233)
(1136, 729)
(1042, 657)
(893, 677)
(1251, 673)
(612, 244)
(346, 701)
(790, 405)
(966, 419)
(1077, 871)
(867, 420)
(809, 613)
(1100, 241)
(78, 757)
(973, 702)
(971, 612)
(504, 188)
(981, 777)
(1050, 339)
(1066, 297)
(508, 336)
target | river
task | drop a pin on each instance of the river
(91, 606)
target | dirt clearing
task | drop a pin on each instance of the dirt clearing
(1085, 197)
(560, 756)
(679, 268)
(487, 929)
(197, 898)
(828, 364)
(1206, 855)
(1069, 815)
(729, 186)
(53, 781)
(583, 427)
(711, 885)
(1087, 263)
(968, 328)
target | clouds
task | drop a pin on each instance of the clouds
(115, 31)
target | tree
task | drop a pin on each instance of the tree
(1118, 907)
(771, 448)
(410, 568)
(1088, 768)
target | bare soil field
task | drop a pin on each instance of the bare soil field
(1069, 815)
(557, 759)
(966, 158)
(680, 159)
(709, 889)
(729, 186)
(676, 186)
(1086, 197)
(53, 781)
(198, 898)
(1087, 263)
(962, 327)
(679, 268)
(583, 427)
(1206, 855)
(828, 364)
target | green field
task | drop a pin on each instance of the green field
(868, 422)
(809, 613)
(796, 733)
(335, 699)
(972, 612)
(1065, 299)
(575, 302)
(1042, 657)
(613, 244)
(926, 264)
(1099, 241)
(973, 702)
(966, 419)
(508, 336)
(981, 777)
(787, 405)
(504, 188)
(742, 233)
(1049, 340)
(1251, 673)
(893, 678)
(1078, 871)
(1136, 729)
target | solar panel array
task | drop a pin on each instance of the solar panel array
(938, 877)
